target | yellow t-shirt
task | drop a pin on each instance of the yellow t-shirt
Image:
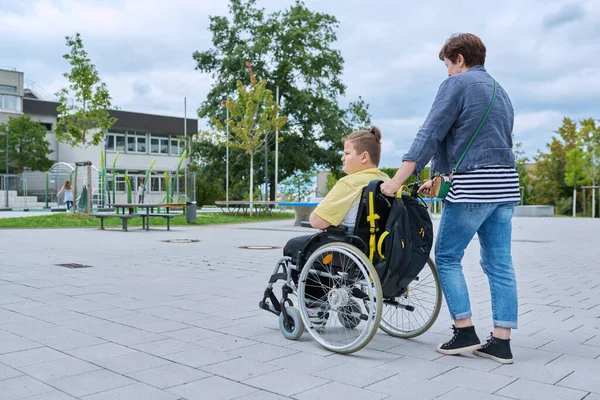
(341, 203)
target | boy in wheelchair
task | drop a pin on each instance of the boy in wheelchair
(362, 152)
(336, 273)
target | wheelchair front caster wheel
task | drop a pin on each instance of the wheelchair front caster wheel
(291, 327)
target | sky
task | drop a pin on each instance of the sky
(546, 55)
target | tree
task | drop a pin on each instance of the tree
(253, 113)
(27, 145)
(575, 171)
(299, 185)
(84, 104)
(292, 50)
(549, 172)
(521, 161)
(590, 133)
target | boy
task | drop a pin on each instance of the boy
(362, 151)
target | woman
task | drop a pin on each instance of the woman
(68, 194)
(484, 191)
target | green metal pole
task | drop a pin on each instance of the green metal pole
(47, 177)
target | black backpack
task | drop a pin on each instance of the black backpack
(399, 234)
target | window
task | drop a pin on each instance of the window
(156, 183)
(4, 88)
(159, 144)
(121, 185)
(136, 142)
(141, 143)
(177, 146)
(10, 103)
(120, 143)
(115, 141)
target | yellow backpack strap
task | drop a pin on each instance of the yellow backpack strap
(372, 217)
(380, 244)
(399, 192)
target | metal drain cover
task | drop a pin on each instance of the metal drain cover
(181, 241)
(260, 247)
(73, 265)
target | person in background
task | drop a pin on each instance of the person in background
(140, 193)
(68, 189)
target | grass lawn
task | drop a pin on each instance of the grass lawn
(64, 220)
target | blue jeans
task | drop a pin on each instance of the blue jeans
(493, 224)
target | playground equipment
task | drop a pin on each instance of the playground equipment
(88, 185)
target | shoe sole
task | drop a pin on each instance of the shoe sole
(454, 352)
(491, 357)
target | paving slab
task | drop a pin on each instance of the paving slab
(181, 321)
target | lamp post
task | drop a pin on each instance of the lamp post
(6, 175)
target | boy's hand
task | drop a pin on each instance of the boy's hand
(390, 187)
(426, 188)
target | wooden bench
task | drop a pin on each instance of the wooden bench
(146, 219)
(124, 217)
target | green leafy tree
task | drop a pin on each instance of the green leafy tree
(575, 171)
(83, 116)
(27, 145)
(299, 185)
(253, 113)
(548, 183)
(521, 161)
(292, 50)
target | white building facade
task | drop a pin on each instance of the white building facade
(137, 138)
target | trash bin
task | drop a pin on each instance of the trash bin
(190, 211)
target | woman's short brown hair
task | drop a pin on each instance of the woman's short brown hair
(369, 141)
(467, 44)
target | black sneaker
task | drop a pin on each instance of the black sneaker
(496, 349)
(463, 341)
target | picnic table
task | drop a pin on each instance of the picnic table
(125, 211)
(243, 206)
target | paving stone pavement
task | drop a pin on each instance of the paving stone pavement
(155, 320)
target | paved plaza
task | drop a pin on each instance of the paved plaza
(153, 320)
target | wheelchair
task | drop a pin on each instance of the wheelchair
(339, 296)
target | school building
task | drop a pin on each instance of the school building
(139, 138)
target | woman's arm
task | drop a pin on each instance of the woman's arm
(390, 187)
(60, 191)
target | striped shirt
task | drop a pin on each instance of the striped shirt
(494, 184)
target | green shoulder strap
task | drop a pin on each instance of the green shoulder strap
(487, 113)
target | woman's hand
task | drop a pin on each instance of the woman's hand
(426, 188)
(390, 187)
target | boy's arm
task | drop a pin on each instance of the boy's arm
(333, 208)
(318, 222)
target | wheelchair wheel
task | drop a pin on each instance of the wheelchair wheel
(340, 282)
(425, 295)
(292, 328)
(350, 317)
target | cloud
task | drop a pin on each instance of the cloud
(566, 14)
(545, 53)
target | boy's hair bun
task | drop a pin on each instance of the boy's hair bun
(375, 131)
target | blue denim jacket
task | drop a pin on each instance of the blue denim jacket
(460, 104)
